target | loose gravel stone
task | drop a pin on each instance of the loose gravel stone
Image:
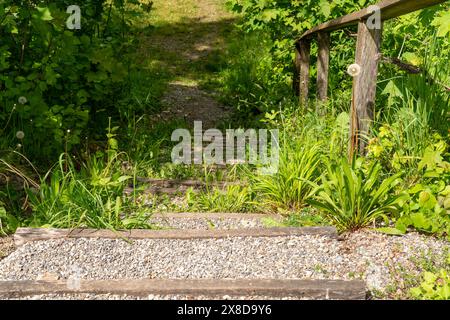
(366, 255)
(208, 223)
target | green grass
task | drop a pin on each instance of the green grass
(90, 198)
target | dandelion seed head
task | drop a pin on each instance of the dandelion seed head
(23, 100)
(20, 135)
(354, 70)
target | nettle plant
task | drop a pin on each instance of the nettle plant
(53, 80)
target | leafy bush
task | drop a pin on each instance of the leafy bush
(353, 197)
(54, 82)
(427, 207)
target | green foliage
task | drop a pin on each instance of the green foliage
(233, 199)
(353, 197)
(8, 223)
(253, 85)
(427, 208)
(92, 197)
(54, 79)
(433, 287)
(400, 146)
(284, 21)
(288, 189)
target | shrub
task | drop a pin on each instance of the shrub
(54, 79)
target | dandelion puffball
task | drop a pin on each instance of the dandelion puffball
(23, 100)
(354, 70)
(20, 135)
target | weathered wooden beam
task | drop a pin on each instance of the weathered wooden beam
(389, 9)
(296, 82)
(24, 235)
(364, 86)
(304, 48)
(323, 63)
(299, 288)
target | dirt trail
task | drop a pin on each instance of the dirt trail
(186, 35)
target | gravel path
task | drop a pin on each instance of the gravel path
(365, 255)
(209, 223)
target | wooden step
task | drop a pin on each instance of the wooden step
(24, 235)
(301, 289)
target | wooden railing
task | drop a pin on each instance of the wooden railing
(367, 59)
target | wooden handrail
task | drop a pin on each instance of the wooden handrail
(367, 58)
(389, 9)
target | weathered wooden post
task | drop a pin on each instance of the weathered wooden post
(296, 82)
(304, 49)
(323, 63)
(364, 85)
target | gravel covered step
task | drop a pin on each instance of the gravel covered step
(213, 221)
(24, 235)
(301, 289)
(364, 255)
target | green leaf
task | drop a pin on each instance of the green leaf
(325, 8)
(44, 14)
(391, 231)
(427, 200)
(443, 24)
(431, 159)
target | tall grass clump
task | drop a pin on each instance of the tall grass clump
(288, 189)
(233, 199)
(352, 196)
(89, 198)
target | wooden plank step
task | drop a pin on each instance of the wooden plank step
(302, 289)
(24, 235)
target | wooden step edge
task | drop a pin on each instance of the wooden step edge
(299, 288)
(24, 235)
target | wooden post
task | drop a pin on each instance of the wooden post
(296, 81)
(323, 62)
(304, 50)
(364, 86)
